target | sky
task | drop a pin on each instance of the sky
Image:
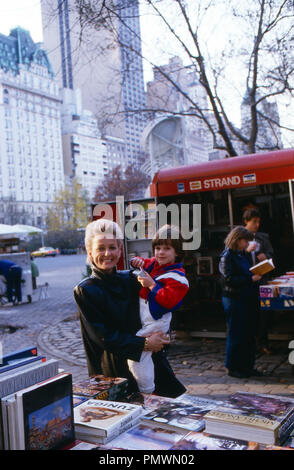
(24, 13)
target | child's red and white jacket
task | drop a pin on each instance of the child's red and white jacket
(170, 289)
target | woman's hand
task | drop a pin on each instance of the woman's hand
(156, 341)
(256, 277)
(147, 280)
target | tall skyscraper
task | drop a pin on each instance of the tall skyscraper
(31, 162)
(84, 152)
(106, 67)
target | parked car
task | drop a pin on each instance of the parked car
(44, 251)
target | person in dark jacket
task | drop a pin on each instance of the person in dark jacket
(12, 273)
(108, 303)
(258, 250)
(238, 302)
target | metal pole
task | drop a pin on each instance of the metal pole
(230, 203)
(291, 201)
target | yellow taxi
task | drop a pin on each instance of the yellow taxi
(44, 251)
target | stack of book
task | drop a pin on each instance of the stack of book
(100, 421)
(266, 419)
(36, 402)
(39, 417)
(99, 387)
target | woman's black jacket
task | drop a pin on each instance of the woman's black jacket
(234, 267)
(109, 316)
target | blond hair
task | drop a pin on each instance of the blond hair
(105, 227)
(238, 233)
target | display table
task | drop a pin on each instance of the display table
(277, 303)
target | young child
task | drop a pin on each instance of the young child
(164, 285)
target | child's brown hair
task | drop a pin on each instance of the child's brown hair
(170, 235)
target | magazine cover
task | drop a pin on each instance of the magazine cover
(78, 399)
(46, 410)
(181, 415)
(144, 437)
(148, 401)
(204, 441)
(101, 387)
(101, 417)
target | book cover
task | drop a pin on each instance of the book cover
(45, 414)
(267, 416)
(101, 387)
(263, 267)
(145, 437)
(104, 418)
(180, 415)
(204, 441)
(286, 290)
(78, 399)
(268, 291)
(148, 401)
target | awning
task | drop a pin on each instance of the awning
(235, 172)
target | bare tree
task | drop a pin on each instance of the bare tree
(258, 52)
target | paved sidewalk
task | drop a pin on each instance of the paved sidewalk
(52, 324)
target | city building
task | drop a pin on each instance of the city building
(84, 152)
(31, 162)
(170, 91)
(106, 66)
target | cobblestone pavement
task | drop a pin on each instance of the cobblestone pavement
(52, 324)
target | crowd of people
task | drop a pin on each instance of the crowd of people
(125, 315)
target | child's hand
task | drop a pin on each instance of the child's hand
(147, 280)
(137, 262)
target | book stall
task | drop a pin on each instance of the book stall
(41, 409)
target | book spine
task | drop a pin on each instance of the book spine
(26, 378)
(5, 442)
(12, 426)
(20, 423)
(104, 439)
(6, 368)
(124, 427)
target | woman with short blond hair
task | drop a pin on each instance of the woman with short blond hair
(108, 303)
(238, 300)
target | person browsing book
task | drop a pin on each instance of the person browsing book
(108, 303)
(259, 249)
(238, 300)
(164, 285)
